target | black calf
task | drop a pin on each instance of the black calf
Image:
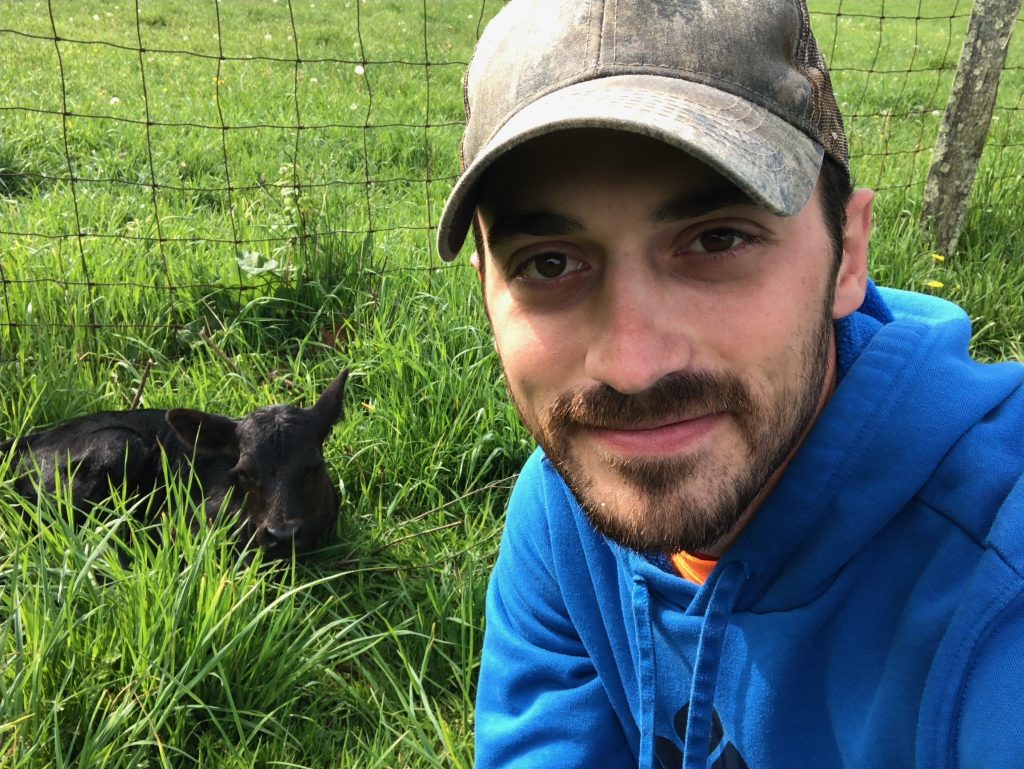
(267, 468)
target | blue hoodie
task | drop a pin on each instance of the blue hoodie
(870, 615)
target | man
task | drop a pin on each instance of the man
(775, 515)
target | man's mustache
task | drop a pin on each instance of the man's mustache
(676, 396)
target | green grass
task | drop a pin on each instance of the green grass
(210, 252)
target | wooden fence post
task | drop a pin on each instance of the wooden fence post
(964, 128)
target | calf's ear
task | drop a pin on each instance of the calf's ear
(209, 433)
(330, 406)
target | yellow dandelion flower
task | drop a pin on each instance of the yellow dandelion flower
(938, 258)
(934, 284)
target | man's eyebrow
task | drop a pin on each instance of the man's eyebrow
(698, 203)
(534, 223)
(548, 223)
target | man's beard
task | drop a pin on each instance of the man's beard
(664, 514)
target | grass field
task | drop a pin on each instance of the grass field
(190, 215)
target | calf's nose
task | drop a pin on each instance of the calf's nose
(284, 533)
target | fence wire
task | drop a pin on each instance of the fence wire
(165, 164)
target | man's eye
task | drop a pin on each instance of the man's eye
(548, 266)
(715, 241)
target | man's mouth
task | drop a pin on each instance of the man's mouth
(665, 437)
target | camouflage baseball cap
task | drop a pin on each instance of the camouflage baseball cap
(738, 84)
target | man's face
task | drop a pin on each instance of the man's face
(667, 342)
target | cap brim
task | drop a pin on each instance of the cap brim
(772, 161)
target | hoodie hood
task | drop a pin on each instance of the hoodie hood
(911, 395)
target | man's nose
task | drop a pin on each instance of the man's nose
(638, 333)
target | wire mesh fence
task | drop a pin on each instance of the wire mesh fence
(166, 164)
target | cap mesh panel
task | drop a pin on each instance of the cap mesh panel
(826, 120)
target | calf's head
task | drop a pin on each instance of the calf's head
(272, 463)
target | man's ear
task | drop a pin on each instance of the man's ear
(852, 278)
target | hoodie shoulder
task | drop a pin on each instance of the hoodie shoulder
(540, 698)
(975, 691)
